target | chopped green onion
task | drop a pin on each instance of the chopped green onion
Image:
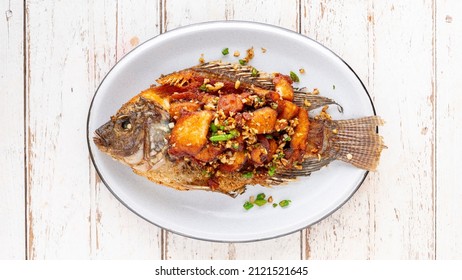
(213, 127)
(287, 139)
(269, 136)
(247, 205)
(235, 146)
(247, 175)
(275, 205)
(280, 155)
(333, 87)
(274, 105)
(284, 203)
(254, 72)
(225, 51)
(261, 196)
(272, 170)
(221, 127)
(294, 77)
(222, 137)
(258, 99)
(203, 87)
(242, 62)
(260, 202)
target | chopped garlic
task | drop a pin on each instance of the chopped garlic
(237, 84)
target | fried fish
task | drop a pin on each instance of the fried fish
(221, 126)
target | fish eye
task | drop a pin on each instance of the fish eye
(125, 124)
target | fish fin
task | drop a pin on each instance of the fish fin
(356, 141)
(237, 192)
(235, 71)
(311, 101)
(179, 79)
(309, 166)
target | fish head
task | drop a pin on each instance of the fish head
(137, 135)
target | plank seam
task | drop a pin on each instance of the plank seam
(299, 16)
(303, 233)
(435, 125)
(117, 32)
(162, 25)
(25, 69)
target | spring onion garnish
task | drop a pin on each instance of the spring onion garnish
(261, 196)
(272, 170)
(203, 87)
(284, 203)
(235, 146)
(247, 205)
(225, 51)
(247, 175)
(254, 72)
(213, 128)
(294, 77)
(260, 202)
(269, 136)
(242, 62)
(221, 137)
(275, 205)
(224, 137)
(287, 138)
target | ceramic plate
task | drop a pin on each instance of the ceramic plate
(214, 216)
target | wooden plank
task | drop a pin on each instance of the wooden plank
(12, 200)
(75, 216)
(282, 13)
(392, 216)
(343, 27)
(57, 97)
(448, 68)
(116, 231)
(403, 208)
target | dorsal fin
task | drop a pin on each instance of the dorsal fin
(235, 71)
(311, 101)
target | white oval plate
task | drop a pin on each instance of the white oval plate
(214, 216)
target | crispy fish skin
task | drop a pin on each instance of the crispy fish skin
(164, 133)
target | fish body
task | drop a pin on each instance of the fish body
(220, 127)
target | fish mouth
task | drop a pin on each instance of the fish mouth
(99, 141)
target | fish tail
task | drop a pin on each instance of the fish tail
(356, 141)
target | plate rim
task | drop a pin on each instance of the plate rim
(217, 22)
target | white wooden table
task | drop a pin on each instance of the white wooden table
(53, 55)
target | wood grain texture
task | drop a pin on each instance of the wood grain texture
(55, 207)
(71, 213)
(58, 168)
(12, 202)
(330, 23)
(116, 232)
(394, 213)
(448, 151)
(282, 13)
(403, 196)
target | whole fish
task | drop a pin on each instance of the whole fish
(221, 126)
